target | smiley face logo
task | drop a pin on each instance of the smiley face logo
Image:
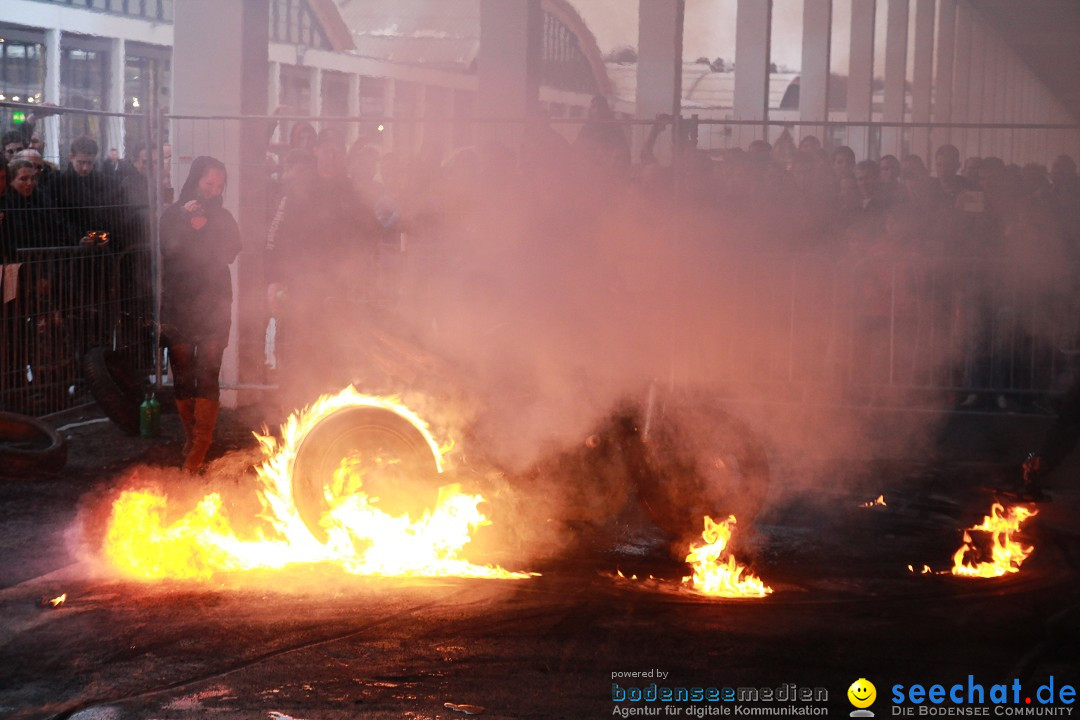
(862, 693)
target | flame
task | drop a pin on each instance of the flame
(58, 601)
(1007, 554)
(716, 576)
(879, 500)
(362, 539)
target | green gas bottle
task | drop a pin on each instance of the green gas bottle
(150, 417)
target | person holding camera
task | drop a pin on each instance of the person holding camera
(199, 240)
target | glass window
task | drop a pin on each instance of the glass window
(83, 84)
(335, 99)
(156, 10)
(145, 90)
(22, 76)
(295, 90)
(291, 21)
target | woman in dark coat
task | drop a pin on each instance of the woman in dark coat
(199, 239)
(28, 220)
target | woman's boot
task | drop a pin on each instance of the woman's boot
(186, 410)
(206, 412)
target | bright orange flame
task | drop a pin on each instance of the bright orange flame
(362, 539)
(879, 500)
(716, 576)
(58, 601)
(1006, 554)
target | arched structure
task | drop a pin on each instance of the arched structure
(570, 56)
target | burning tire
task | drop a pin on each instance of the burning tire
(29, 445)
(384, 454)
(702, 462)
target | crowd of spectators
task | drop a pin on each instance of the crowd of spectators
(74, 244)
(331, 207)
(1006, 231)
(92, 202)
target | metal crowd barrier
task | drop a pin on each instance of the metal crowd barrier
(57, 304)
(977, 333)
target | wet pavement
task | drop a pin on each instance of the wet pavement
(560, 645)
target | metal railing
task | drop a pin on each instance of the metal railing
(858, 323)
(57, 304)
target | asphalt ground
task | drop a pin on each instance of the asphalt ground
(312, 642)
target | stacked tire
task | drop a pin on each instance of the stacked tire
(29, 446)
(117, 388)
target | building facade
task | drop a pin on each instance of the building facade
(114, 56)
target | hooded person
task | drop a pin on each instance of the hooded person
(199, 240)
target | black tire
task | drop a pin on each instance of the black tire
(703, 462)
(371, 435)
(117, 389)
(28, 445)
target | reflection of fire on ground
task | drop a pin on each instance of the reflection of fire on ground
(360, 537)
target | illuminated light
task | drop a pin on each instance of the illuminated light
(15, 98)
(58, 601)
(18, 117)
(134, 102)
(2, 97)
(381, 127)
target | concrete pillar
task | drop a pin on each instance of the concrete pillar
(229, 43)
(114, 99)
(508, 64)
(352, 101)
(422, 111)
(388, 101)
(1001, 90)
(814, 80)
(1027, 86)
(1012, 100)
(50, 127)
(943, 76)
(975, 88)
(659, 66)
(922, 77)
(753, 25)
(896, 42)
(273, 87)
(860, 88)
(273, 99)
(964, 139)
(994, 93)
(1043, 104)
(314, 108)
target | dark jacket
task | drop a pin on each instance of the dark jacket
(87, 203)
(319, 236)
(196, 297)
(30, 223)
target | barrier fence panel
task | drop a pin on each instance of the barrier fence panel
(754, 264)
(77, 238)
